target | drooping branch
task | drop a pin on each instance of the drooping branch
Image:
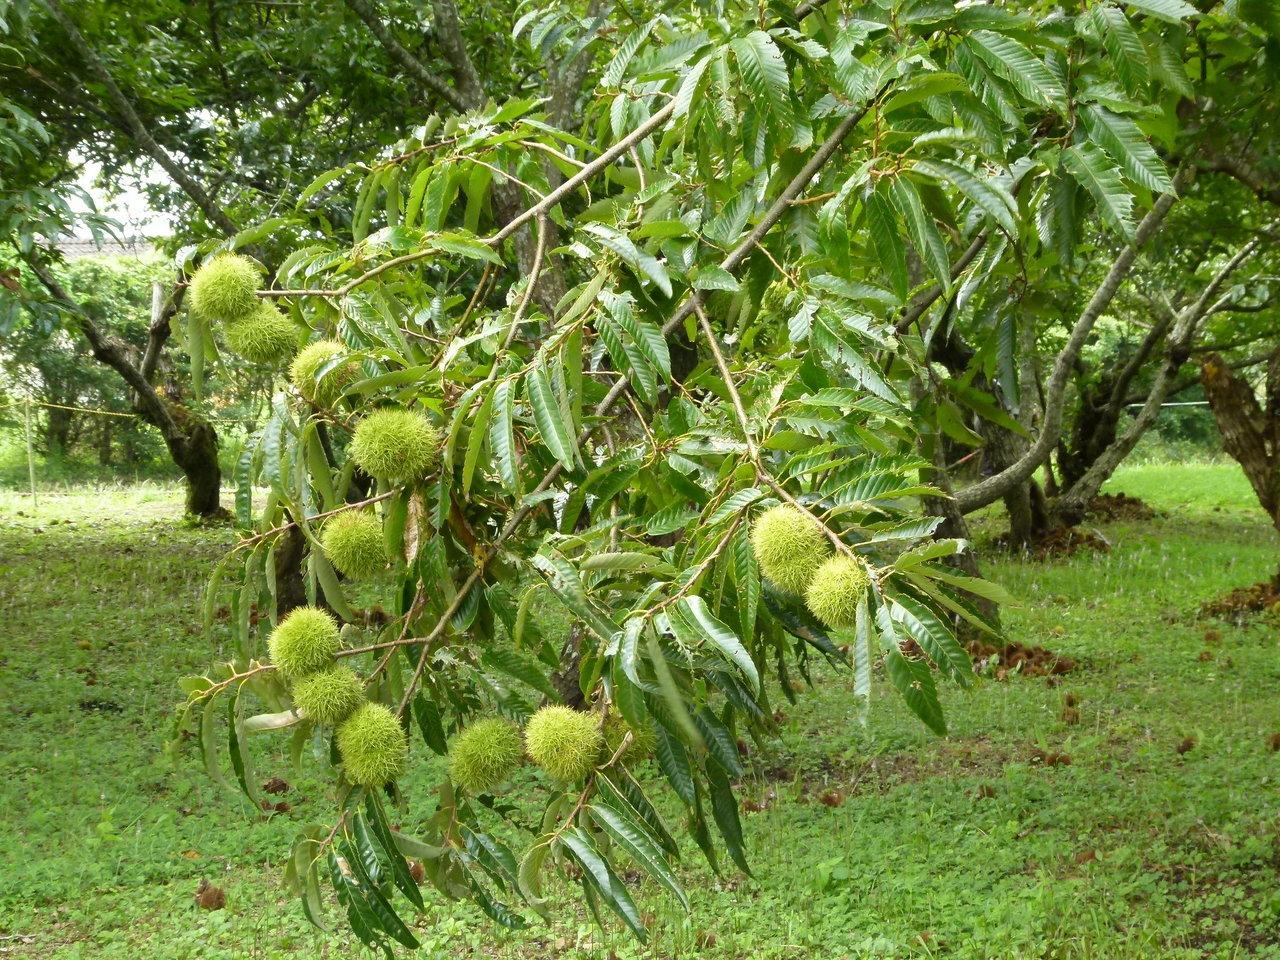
(367, 12)
(992, 488)
(137, 129)
(775, 212)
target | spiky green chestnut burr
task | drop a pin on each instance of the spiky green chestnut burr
(563, 742)
(328, 696)
(305, 366)
(304, 642)
(643, 738)
(224, 288)
(372, 745)
(484, 754)
(789, 546)
(838, 587)
(265, 336)
(394, 444)
(354, 544)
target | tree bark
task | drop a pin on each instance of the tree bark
(367, 12)
(1250, 432)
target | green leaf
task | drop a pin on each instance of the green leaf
(1174, 11)
(643, 264)
(912, 678)
(979, 588)
(617, 67)
(934, 637)
(639, 846)
(601, 876)
(241, 762)
(502, 438)
(1122, 139)
(714, 277)
(475, 441)
(465, 245)
(378, 905)
(673, 761)
(694, 611)
(1029, 75)
(988, 195)
(724, 808)
(328, 581)
(522, 668)
(556, 434)
(208, 742)
(627, 797)
(1127, 55)
(381, 830)
(764, 74)
(428, 716)
(886, 243)
(1101, 178)
(930, 246)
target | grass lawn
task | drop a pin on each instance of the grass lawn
(1160, 838)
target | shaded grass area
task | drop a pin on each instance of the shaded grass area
(1158, 839)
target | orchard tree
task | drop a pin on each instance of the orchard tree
(705, 450)
(1013, 347)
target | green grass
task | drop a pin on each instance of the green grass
(957, 847)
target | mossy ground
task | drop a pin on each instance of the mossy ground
(880, 841)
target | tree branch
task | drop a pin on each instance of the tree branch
(1072, 504)
(454, 47)
(111, 352)
(991, 489)
(776, 211)
(135, 125)
(163, 310)
(367, 12)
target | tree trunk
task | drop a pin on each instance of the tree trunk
(57, 431)
(1250, 433)
(291, 588)
(194, 448)
(993, 488)
(105, 433)
(1070, 508)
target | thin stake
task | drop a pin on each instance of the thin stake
(31, 456)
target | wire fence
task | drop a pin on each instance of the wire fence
(29, 430)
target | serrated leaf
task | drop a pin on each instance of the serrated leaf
(988, 195)
(724, 809)
(602, 877)
(1127, 55)
(764, 74)
(1097, 174)
(934, 637)
(1009, 59)
(930, 246)
(695, 613)
(1174, 11)
(640, 847)
(889, 250)
(1127, 145)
